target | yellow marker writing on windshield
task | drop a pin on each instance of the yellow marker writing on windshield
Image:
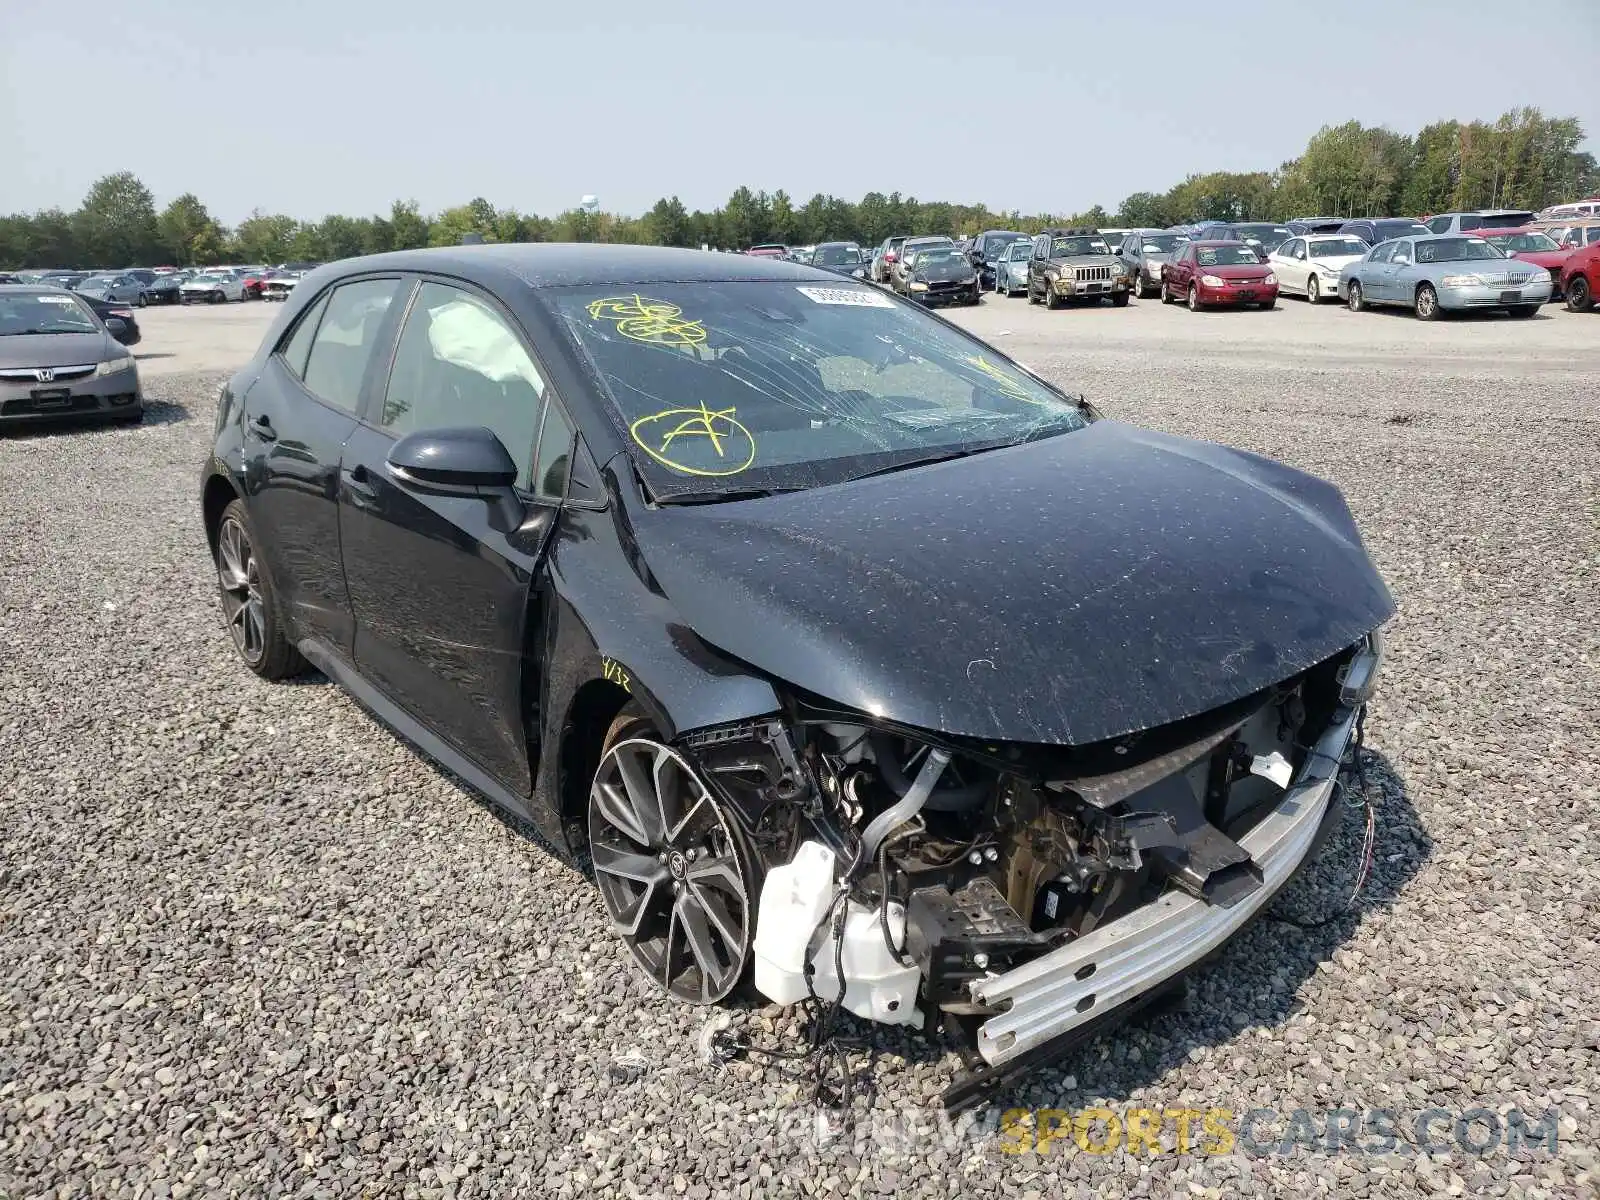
(646, 320)
(1008, 385)
(733, 444)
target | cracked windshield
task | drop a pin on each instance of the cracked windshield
(774, 386)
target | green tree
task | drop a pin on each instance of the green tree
(117, 226)
(265, 237)
(189, 234)
(408, 229)
(668, 224)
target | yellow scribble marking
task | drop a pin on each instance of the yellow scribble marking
(1008, 385)
(617, 674)
(645, 320)
(728, 437)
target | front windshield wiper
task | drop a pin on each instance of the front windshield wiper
(31, 332)
(726, 494)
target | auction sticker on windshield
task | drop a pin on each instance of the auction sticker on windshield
(858, 296)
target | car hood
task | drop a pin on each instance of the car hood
(1544, 258)
(1066, 591)
(56, 349)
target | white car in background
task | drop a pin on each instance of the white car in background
(212, 287)
(278, 284)
(1309, 265)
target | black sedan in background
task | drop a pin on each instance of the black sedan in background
(164, 288)
(942, 275)
(842, 258)
(119, 320)
(716, 568)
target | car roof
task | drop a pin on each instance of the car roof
(560, 264)
(32, 289)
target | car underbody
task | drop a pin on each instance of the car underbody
(1016, 896)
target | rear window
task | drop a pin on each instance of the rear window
(1502, 220)
(771, 384)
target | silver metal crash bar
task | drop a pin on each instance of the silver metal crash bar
(1116, 962)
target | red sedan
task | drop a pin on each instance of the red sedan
(1580, 277)
(1534, 246)
(1217, 273)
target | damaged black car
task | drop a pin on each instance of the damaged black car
(862, 664)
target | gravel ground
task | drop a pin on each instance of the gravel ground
(253, 944)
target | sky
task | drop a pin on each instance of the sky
(341, 106)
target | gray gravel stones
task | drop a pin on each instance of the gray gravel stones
(253, 944)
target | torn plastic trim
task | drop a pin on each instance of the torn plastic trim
(1057, 992)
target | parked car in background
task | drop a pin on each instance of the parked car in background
(142, 274)
(1261, 236)
(63, 279)
(1144, 252)
(1532, 246)
(842, 258)
(164, 288)
(1440, 273)
(1315, 224)
(899, 273)
(59, 360)
(1207, 274)
(886, 256)
(1483, 218)
(1375, 231)
(1569, 233)
(1309, 266)
(1072, 266)
(1011, 271)
(211, 287)
(119, 289)
(1578, 209)
(279, 285)
(1580, 277)
(941, 275)
(986, 249)
(769, 250)
(119, 320)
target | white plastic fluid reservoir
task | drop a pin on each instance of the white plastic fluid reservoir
(877, 987)
(793, 900)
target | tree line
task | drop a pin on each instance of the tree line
(1522, 160)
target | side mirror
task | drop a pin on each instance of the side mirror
(117, 328)
(464, 461)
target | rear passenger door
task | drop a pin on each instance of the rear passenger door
(297, 418)
(441, 584)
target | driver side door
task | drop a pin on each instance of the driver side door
(445, 587)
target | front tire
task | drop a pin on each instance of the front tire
(1579, 298)
(217, 298)
(1051, 300)
(678, 878)
(1120, 299)
(1353, 298)
(143, 300)
(1426, 303)
(1194, 298)
(249, 604)
(1313, 291)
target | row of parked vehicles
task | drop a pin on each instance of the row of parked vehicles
(1508, 259)
(141, 286)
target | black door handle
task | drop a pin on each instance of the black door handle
(262, 428)
(357, 482)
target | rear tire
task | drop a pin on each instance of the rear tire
(1579, 298)
(1166, 296)
(250, 603)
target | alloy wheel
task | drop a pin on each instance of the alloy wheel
(1427, 303)
(1194, 298)
(670, 870)
(1353, 296)
(240, 577)
(1313, 290)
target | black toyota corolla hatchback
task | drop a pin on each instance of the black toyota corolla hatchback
(862, 664)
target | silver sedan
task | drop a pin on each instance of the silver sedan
(1442, 273)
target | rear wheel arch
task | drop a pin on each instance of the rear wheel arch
(218, 494)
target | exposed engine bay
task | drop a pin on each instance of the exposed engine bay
(1015, 893)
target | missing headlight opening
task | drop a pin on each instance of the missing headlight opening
(1020, 894)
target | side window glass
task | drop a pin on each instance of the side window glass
(1439, 224)
(346, 338)
(1402, 252)
(1471, 221)
(299, 343)
(554, 459)
(459, 363)
(1040, 247)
